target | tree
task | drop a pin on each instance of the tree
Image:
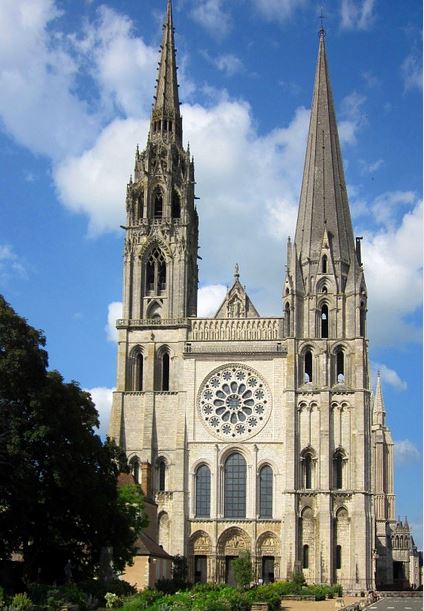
(242, 569)
(59, 504)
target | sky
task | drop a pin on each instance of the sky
(76, 87)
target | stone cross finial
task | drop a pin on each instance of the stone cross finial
(237, 271)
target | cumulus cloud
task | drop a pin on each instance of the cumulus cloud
(102, 399)
(357, 14)
(279, 10)
(228, 63)
(10, 264)
(114, 311)
(209, 299)
(210, 15)
(388, 376)
(406, 452)
(352, 117)
(412, 73)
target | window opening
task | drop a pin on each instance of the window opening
(287, 319)
(265, 492)
(338, 557)
(203, 492)
(156, 272)
(307, 462)
(162, 471)
(135, 470)
(305, 557)
(157, 204)
(324, 264)
(138, 382)
(308, 366)
(324, 321)
(340, 373)
(176, 205)
(338, 471)
(165, 371)
(362, 313)
(235, 486)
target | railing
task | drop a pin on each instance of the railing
(237, 329)
(140, 323)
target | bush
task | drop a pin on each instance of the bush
(243, 569)
(112, 600)
(21, 601)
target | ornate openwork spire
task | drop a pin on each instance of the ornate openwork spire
(323, 201)
(379, 412)
(166, 118)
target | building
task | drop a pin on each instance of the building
(251, 433)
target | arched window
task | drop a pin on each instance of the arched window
(308, 366)
(138, 382)
(135, 370)
(305, 557)
(340, 367)
(155, 273)
(157, 204)
(307, 470)
(203, 492)
(235, 486)
(135, 469)
(176, 205)
(140, 205)
(287, 319)
(324, 264)
(338, 471)
(265, 492)
(338, 556)
(162, 473)
(362, 315)
(165, 371)
(324, 321)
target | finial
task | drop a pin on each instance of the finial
(237, 271)
(321, 17)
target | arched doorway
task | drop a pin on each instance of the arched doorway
(200, 549)
(230, 544)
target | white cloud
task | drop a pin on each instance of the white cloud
(114, 311)
(388, 376)
(357, 14)
(370, 168)
(211, 15)
(406, 452)
(102, 399)
(393, 269)
(280, 10)
(412, 73)
(209, 299)
(10, 264)
(228, 63)
(352, 117)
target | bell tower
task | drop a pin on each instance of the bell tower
(160, 270)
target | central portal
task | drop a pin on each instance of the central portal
(229, 575)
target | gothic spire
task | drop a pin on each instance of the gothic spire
(323, 200)
(166, 118)
(379, 412)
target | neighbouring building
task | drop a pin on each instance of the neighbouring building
(253, 433)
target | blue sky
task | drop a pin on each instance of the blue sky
(76, 83)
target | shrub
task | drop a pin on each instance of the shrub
(112, 600)
(21, 601)
(243, 569)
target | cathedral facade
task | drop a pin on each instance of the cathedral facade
(252, 433)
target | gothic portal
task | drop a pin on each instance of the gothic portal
(251, 433)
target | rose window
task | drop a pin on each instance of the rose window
(234, 402)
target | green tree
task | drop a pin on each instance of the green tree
(59, 504)
(242, 569)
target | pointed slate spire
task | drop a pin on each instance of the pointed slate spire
(379, 411)
(166, 118)
(323, 200)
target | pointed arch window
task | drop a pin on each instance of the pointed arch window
(324, 264)
(165, 371)
(305, 557)
(308, 466)
(155, 272)
(203, 492)
(340, 366)
(308, 367)
(157, 204)
(338, 471)
(135, 370)
(235, 486)
(324, 321)
(135, 469)
(362, 318)
(140, 206)
(265, 492)
(176, 205)
(338, 556)
(162, 475)
(287, 319)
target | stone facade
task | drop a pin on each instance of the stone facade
(250, 433)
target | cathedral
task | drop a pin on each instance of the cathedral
(252, 433)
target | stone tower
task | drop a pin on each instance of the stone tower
(325, 322)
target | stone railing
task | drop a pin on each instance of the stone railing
(148, 323)
(235, 329)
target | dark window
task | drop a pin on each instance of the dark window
(135, 470)
(200, 569)
(176, 205)
(155, 272)
(265, 492)
(140, 204)
(162, 471)
(235, 486)
(162, 275)
(157, 204)
(287, 319)
(307, 466)
(338, 557)
(165, 371)
(340, 373)
(324, 264)
(338, 471)
(308, 366)
(324, 321)
(362, 313)
(305, 557)
(138, 381)
(203, 492)
(268, 569)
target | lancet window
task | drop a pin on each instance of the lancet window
(203, 492)
(176, 205)
(162, 475)
(155, 272)
(235, 486)
(308, 366)
(324, 321)
(157, 204)
(265, 492)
